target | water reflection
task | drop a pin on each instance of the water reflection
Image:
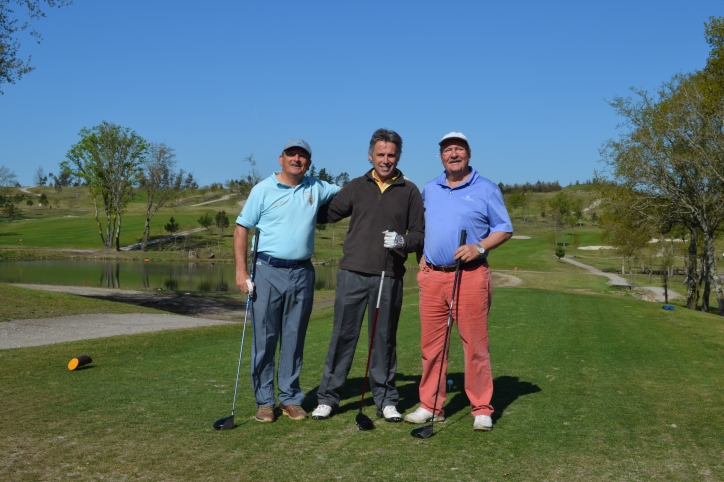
(203, 277)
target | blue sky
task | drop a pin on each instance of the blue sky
(526, 81)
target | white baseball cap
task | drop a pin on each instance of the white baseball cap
(454, 135)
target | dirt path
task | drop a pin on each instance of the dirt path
(657, 293)
(47, 331)
(190, 311)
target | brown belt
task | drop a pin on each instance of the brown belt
(448, 269)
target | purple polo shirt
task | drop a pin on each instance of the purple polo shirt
(476, 206)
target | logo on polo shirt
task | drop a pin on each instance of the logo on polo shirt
(468, 198)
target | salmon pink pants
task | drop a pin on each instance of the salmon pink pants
(470, 311)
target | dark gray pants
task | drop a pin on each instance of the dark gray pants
(355, 293)
(280, 313)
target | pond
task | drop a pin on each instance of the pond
(137, 275)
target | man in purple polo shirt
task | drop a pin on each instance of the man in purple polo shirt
(459, 199)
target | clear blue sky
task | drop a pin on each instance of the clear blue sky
(526, 81)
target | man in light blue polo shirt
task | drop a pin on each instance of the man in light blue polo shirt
(283, 207)
(459, 199)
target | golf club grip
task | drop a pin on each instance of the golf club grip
(463, 237)
(254, 250)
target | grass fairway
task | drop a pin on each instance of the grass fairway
(586, 388)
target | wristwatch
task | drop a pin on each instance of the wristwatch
(481, 250)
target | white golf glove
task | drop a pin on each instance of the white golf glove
(393, 240)
(250, 285)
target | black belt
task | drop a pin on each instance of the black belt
(448, 269)
(280, 263)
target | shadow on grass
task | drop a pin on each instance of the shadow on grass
(506, 390)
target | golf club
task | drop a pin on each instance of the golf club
(227, 423)
(362, 420)
(426, 431)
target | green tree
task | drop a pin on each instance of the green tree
(205, 221)
(560, 209)
(222, 222)
(109, 159)
(172, 227)
(560, 252)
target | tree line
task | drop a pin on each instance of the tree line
(664, 175)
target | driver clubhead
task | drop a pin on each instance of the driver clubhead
(226, 423)
(425, 431)
(364, 422)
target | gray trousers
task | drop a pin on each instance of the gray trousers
(280, 313)
(355, 293)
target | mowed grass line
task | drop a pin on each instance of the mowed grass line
(587, 388)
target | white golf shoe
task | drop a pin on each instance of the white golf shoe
(390, 413)
(482, 423)
(422, 416)
(322, 412)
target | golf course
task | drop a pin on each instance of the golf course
(591, 382)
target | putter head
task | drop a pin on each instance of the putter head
(226, 423)
(364, 422)
(422, 432)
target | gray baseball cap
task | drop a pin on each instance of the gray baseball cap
(298, 143)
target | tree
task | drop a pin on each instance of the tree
(109, 159)
(560, 252)
(205, 221)
(673, 152)
(171, 227)
(342, 179)
(39, 178)
(222, 222)
(7, 177)
(43, 199)
(560, 206)
(11, 210)
(12, 68)
(160, 181)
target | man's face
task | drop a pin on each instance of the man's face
(384, 159)
(295, 162)
(455, 157)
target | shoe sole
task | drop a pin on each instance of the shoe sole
(485, 429)
(391, 419)
(294, 418)
(437, 420)
(319, 417)
(264, 420)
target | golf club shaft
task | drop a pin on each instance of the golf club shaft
(374, 327)
(252, 270)
(447, 329)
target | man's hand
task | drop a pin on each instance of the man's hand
(393, 240)
(467, 253)
(244, 282)
(422, 263)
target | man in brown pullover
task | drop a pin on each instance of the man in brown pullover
(386, 212)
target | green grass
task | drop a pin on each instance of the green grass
(21, 303)
(586, 388)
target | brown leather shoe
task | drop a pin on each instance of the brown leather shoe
(295, 412)
(265, 414)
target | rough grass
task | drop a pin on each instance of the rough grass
(20, 303)
(586, 388)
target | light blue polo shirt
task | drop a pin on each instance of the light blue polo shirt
(286, 216)
(476, 206)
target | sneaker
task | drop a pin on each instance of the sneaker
(322, 412)
(482, 423)
(422, 416)
(390, 413)
(264, 414)
(295, 412)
